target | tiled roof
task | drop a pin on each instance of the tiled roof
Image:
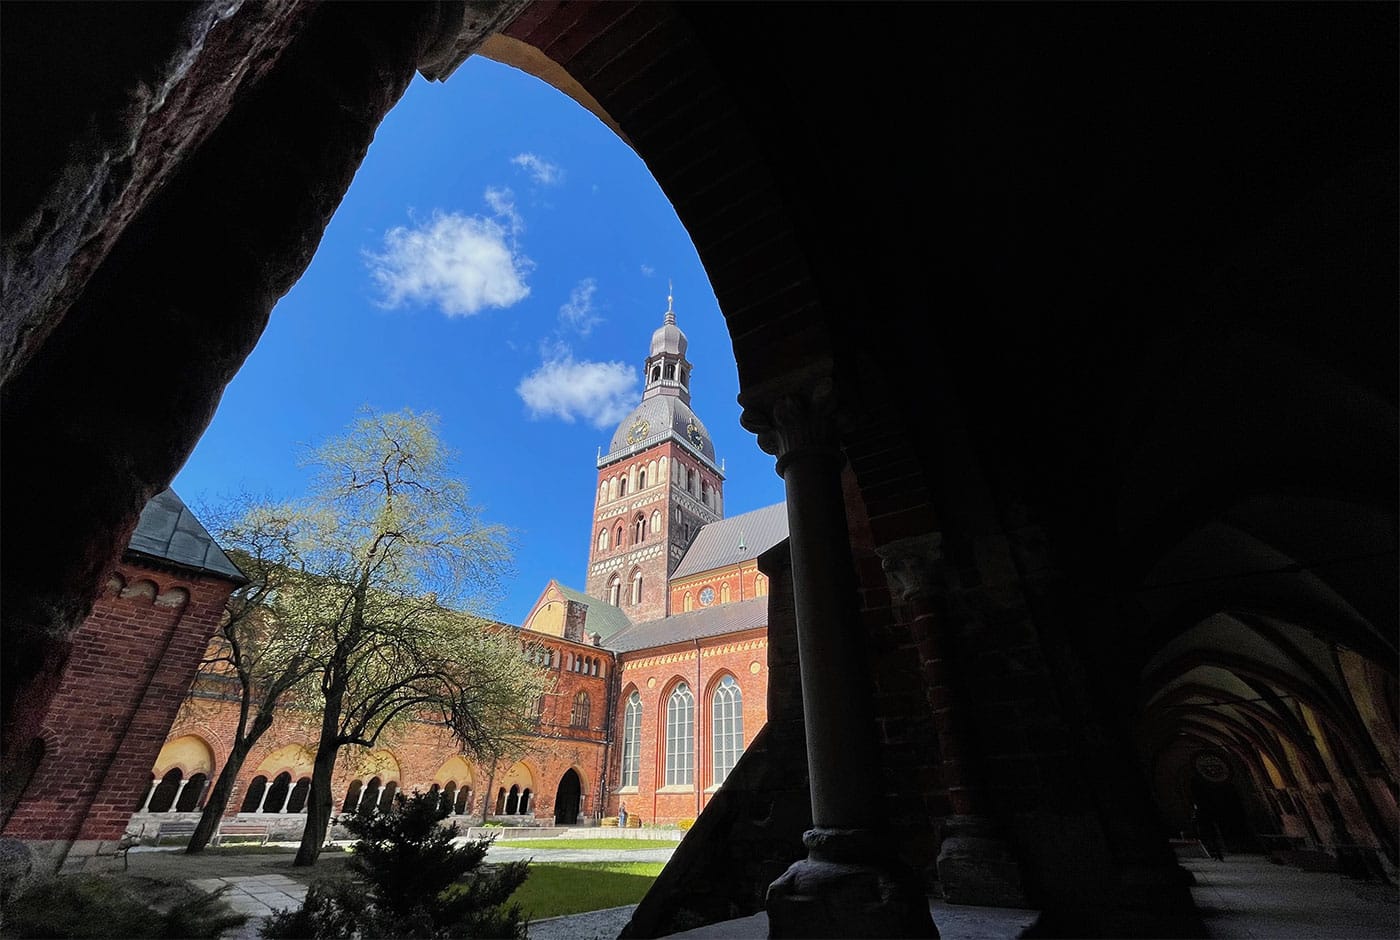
(603, 618)
(695, 624)
(170, 532)
(730, 541)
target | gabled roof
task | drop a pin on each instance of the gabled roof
(695, 624)
(730, 541)
(170, 532)
(603, 618)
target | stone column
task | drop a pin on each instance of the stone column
(974, 864)
(267, 788)
(849, 885)
(178, 792)
(287, 800)
(149, 793)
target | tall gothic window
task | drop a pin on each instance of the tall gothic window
(581, 707)
(727, 730)
(642, 479)
(622, 487)
(637, 587)
(680, 737)
(615, 591)
(639, 529)
(689, 601)
(632, 740)
(655, 521)
(603, 540)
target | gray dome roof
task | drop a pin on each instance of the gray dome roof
(668, 339)
(663, 414)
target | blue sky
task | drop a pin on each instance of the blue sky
(501, 259)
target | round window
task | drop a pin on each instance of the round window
(707, 596)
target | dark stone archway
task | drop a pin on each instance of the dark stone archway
(567, 798)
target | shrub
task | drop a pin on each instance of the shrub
(98, 906)
(684, 824)
(416, 882)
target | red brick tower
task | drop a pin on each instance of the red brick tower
(657, 485)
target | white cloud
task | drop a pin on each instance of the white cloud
(458, 263)
(541, 170)
(502, 203)
(577, 313)
(601, 393)
(648, 270)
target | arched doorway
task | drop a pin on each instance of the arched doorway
(567, 797)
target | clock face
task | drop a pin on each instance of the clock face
(638, 431)
(694, 434)
(707, 596)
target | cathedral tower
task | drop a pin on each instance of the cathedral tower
(657, 485)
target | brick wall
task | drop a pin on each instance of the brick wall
(654, 674)
(131, 665)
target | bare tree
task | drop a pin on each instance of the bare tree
(395, 555)
(262, 654)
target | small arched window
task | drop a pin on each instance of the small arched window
(639, 529)
(622, 487)
(656, 373)
(579, 719)
(615, 591)
(636, 587)
(603, 540)
(670, 370)
(655, 521)
(760, 585)
(689, 601)
(602, 492)
(642, 479)
(618, 540)
(724, 593)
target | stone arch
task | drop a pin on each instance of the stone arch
(173, 598)
(190, 753)
(142, 590)
(295, 760)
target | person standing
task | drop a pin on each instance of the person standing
(622, 816)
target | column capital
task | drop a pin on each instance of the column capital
(796, 417)
(914, 566)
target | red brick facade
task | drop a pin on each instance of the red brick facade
(131, 665)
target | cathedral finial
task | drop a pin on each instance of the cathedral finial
(670, 313)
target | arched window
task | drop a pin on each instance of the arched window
(525, 800)
(297, 804)
(618, 541)
(603, 540)
(632, 740)
(189, 796)
(653, 473)
(680, 737)
(581, 708)
(632, 476)
(704, 492)
(615, 591)
(464, 801)
(670, 370)
(163, 800)
(642, 479)
(656, 373)
(639, 529)
(760, 585)
(612, 488)
(689, 601)
(386, 799)
(655, 521)
(370, 798)
(727, 729)
(448, 799)
(352, 797)
(724, 593)
(690, 480)
(622, 487)
(636, 587)
(602, 492)
(513, 800)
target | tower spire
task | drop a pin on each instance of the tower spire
(670, 312)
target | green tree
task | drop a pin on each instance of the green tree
(263, 652)
(395, 553)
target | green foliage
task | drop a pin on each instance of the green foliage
(99, 906)
(556, 889)
(412, 882)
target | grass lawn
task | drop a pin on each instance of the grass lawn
(626, 844)
(574, 887)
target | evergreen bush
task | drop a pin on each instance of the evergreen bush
(412, 882)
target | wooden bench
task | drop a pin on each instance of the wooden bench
(175, 827)
(244, 830)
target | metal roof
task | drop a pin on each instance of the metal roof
(602, 618)
(738, 538)
(662, 417)
(695, 624)
(170, 532)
